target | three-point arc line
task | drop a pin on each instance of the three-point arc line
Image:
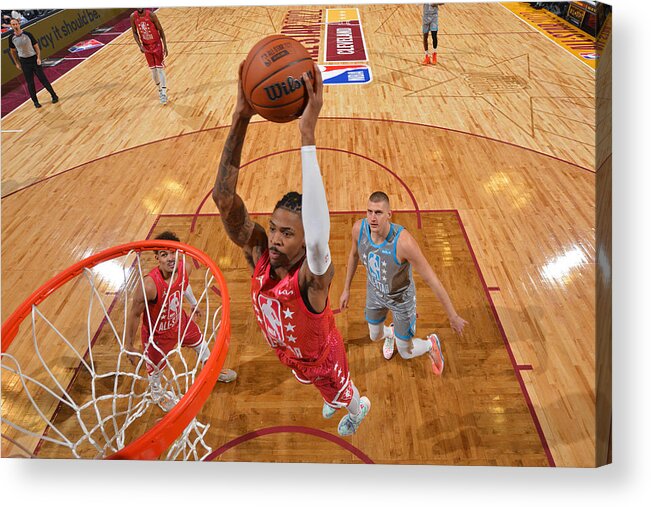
(406, 187)
(290, 429)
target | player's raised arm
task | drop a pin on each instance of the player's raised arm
(245, 233)
(318, 271)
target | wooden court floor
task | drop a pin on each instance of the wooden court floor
(504, 176)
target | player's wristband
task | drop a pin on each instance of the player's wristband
(189, 296)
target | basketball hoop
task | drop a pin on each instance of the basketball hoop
(68, 384)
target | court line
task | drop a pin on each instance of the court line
(176, 136)
(547, 37)
(471, 134)
(290, 429)
(516, 367)
(70, 70)
(411, 194)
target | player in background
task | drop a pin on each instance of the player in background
(430, 26)
(150, 37)
(164, 298)
(388, 252)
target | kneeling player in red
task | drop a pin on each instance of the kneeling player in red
(150, 37)
(291, 266)
(163, 296)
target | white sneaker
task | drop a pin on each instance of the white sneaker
(227, 376)
(203, 353)
(349, 424)
(389, 345)
(166, 400)
(327, 411)
(163, 97)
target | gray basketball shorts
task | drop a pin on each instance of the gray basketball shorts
(431, 26)
(403, 313)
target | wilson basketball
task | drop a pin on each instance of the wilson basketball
(272, 78)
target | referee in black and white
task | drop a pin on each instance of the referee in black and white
(27, 55)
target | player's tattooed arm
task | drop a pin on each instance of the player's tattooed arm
(231, 207)
(245, 233)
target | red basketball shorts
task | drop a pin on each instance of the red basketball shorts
(331, 377)
(154, 55)
(163, 343)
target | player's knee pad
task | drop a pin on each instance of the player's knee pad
(376, 331)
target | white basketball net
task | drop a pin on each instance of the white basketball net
(68, 386)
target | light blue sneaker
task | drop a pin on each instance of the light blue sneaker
(349, 424)
(327, 411)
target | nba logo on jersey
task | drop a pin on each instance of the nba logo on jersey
(170, 312)
(175, 302)
(374, 265)
(271, 318)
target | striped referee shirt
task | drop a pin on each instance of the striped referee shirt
(23, 44)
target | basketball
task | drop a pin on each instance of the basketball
(272, 78)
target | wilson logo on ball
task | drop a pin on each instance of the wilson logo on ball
(283, 88)
(272, 78)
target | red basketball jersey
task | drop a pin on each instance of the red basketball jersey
(146, 28)
(169, 311)
(299, 337)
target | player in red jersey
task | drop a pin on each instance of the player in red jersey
(165, 312)
(150, 38)
(291, 266)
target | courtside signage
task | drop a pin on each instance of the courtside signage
(346, 74)
(344, 36)
(85, 45)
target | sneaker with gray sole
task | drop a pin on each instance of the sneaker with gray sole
(349, 424)
(227, 376)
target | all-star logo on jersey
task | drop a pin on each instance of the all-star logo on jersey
(170, 312)
(374, 265)
(272, 320)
